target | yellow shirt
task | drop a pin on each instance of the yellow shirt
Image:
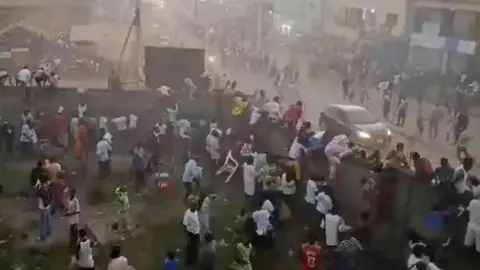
(239, 109)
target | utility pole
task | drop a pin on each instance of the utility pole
(259, 25)
(137, 46)
(138, 43)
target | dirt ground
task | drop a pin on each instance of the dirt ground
(158, 222)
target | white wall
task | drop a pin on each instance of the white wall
(381, 7)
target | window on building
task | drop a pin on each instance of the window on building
(350, 16)
(391, 20)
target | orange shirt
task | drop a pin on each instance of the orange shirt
(81, 142)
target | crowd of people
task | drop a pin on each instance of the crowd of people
(273, 183)
(277, 187)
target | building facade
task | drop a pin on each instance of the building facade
(352, 18)
(445, 35)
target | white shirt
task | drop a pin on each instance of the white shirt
(82, 108)
(214, 126)
(103, 122)
(132, 121)
(474, 211)
(103, 150)
(73, 206)
(24, 75)
(288, 188)
(57, 61)
(120, 123)
(74, 125)
(213, 146)
(159, 129)
(262, 221)
(296, 150)
(28, 134)
(324, 203)
(190, 171)
(337, 148)
(267, 205)
(332, 224)
(120, 263)
(108, 137)
(311, 189)
(184, 128)
(461, 185)
(191, 221)
(172, 113)
(249, 176)
(412, 260)
(273, 109)
(85, 258)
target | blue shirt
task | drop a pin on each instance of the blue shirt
(189, 172)
(170, 265)
(138, 162)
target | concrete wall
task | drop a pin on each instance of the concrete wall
(404, 202)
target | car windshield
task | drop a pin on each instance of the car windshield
(360, 117)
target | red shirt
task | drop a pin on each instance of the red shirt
(293, 113)
(82, 134)
(61, 124)
(312, 257)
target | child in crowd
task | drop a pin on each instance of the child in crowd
(171, 262)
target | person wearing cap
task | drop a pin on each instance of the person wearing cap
(61, 128)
